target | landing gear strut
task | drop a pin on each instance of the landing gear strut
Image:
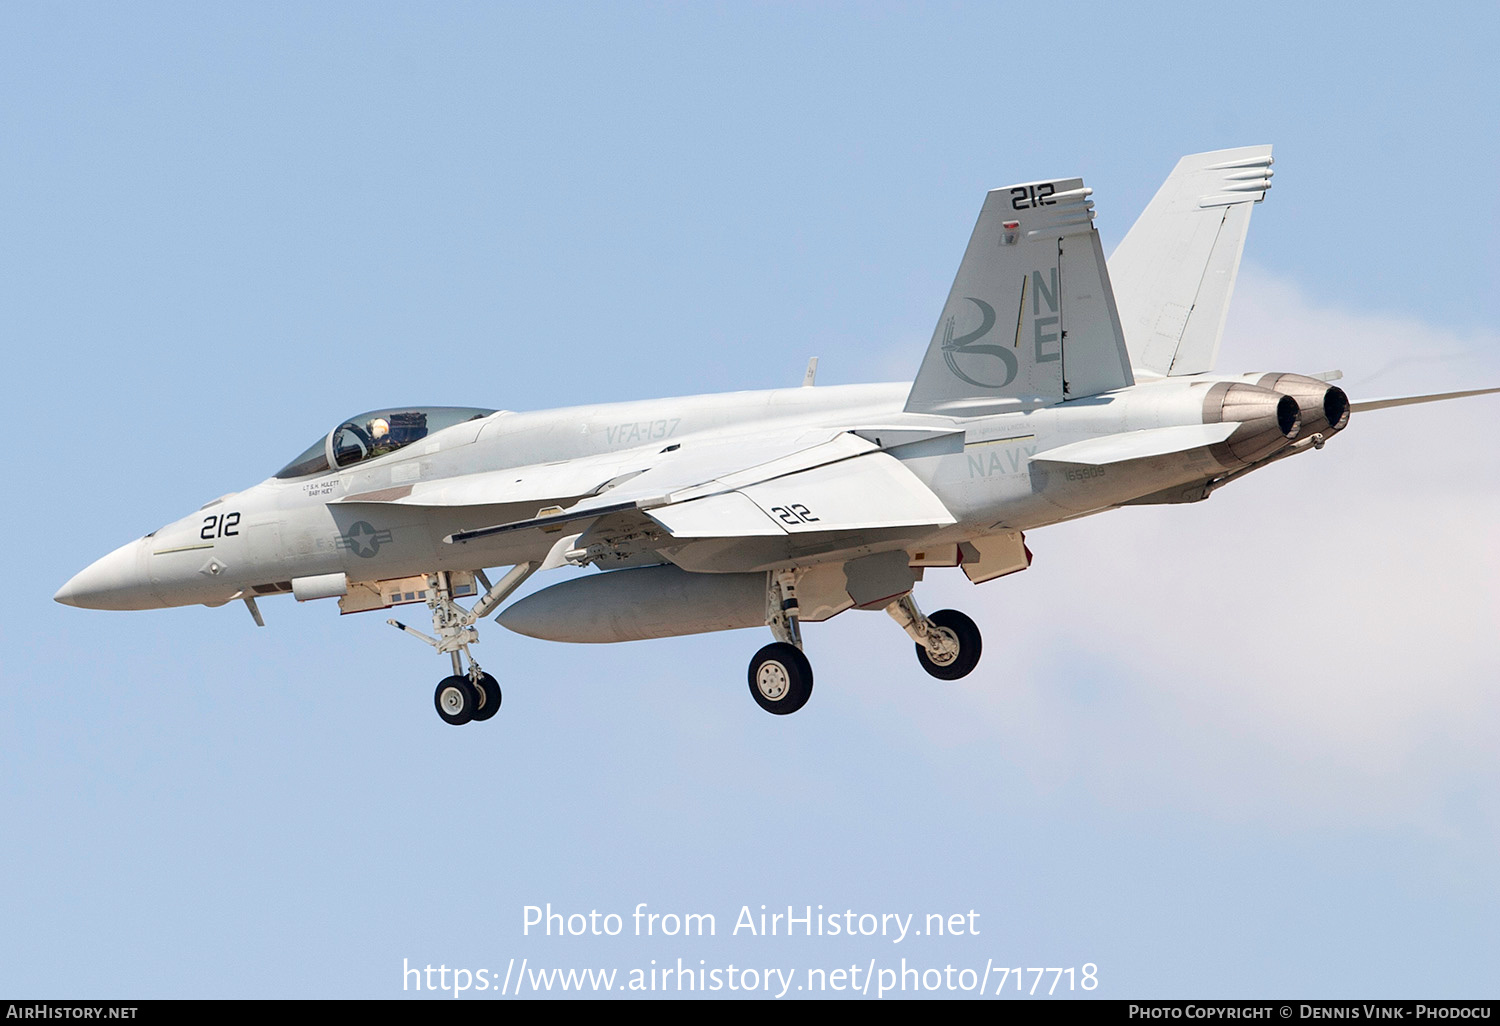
(948, 642)
(781, 678)
(468, 694)
(948, 645)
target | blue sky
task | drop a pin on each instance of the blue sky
(1240, 748)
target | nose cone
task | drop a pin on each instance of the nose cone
(118, 581)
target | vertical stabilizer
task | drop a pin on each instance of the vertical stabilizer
(1031, 314)
(1174, 272)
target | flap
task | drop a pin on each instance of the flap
(867, 492)
(727, 515)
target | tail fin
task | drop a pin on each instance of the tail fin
(1030, 313)
(1175, 270)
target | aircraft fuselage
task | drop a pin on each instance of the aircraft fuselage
(258, 540)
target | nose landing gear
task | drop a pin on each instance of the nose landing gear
(456, 700)
(466, 695)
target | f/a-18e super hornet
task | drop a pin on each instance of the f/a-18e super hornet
(1055, 386)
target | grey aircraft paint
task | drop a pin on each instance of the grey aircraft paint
(1032, 405)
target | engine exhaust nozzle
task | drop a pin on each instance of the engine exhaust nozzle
(1324, 407)
(1268, 421)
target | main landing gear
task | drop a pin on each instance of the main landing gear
(948, 642)
(948, 646)
(781, 678)
(465, 695)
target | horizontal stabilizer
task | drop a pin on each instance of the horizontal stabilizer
(1412, 400)
(1137, 445)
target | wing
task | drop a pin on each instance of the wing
(718, 489)
(565, 482)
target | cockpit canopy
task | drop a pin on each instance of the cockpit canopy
(375, 434)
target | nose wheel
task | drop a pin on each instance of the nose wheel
(488, 689)
(456, 700)
(460, 700)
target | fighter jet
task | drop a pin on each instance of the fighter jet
(1055, 386)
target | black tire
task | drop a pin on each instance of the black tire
(969, 646)
(488, 690)
(781, 678)
(456, 700)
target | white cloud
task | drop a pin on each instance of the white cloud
(1275, 325)
(1317, 644)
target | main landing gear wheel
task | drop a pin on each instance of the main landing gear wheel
(488, 689)
(457, 701)
(781, 678)
(963, 630)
